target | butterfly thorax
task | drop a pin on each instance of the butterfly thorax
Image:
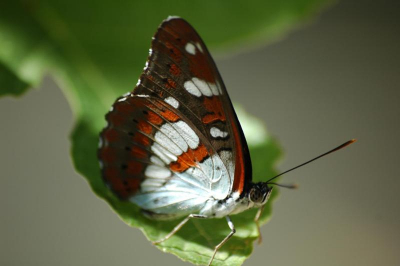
(256, 196)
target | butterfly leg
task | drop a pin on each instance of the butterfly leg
(233, 230)
(256, 218)
(179, 226)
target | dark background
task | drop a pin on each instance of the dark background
(329, 81)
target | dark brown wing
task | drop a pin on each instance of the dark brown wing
(179, 83)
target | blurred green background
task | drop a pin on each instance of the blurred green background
(326, 82)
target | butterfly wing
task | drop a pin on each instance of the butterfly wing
(175, 142)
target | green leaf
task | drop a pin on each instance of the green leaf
(96, 50)
(10, 84)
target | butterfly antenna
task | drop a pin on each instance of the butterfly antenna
(291, 186)
(347, 143)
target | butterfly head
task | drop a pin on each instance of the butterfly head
(259, 193)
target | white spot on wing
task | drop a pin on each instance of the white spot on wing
(171, 141)
(202, 86)
(187, 134)
(199, 47)
(216, 132)
(175, 136)
(155, 171)
(166, 156)
(168, 138)
(227, 158)
(219, 87)
(213, 173)
(150, 184)
(172, 101)
(191, 88)
(156, 160)
(199, 87)
(214, 88)
(190, 48)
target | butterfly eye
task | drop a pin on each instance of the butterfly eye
(256, 195)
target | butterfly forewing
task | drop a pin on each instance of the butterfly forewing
(175, 141)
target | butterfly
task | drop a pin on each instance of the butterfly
(174, 146)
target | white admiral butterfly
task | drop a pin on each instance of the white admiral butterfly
(174, 146)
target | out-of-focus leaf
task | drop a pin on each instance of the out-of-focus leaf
(10, 84)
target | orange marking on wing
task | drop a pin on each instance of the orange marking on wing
(123, 187)
(130, 186)
(108, 154)
(200, 67)
(134, 168)
(145, 127)
(170, 84)
(170, 116)
(174, 70)
(172, 32)
(216, 112)
(111, 174)
(164, 112)
(138, 152)
(174, 52)
(141, 139)
(238, 182)
(116, 119)
(189, 159)
(154, 118)
(110, 135)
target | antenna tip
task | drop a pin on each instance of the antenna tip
(347, 143)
